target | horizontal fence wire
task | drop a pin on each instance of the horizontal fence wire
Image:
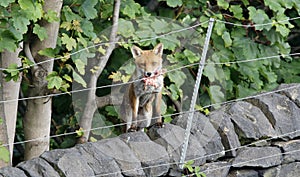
(228, 150)
(137, 80)
(168, 115)
(175, 114)
(153, 38)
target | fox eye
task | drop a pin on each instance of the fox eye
(154, 63)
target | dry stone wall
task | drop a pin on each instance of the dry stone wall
(255, 137)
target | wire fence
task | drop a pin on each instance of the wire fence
(179, 68)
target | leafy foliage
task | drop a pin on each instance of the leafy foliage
(84, 23)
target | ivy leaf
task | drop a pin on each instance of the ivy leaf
(127, 28)
(111, 111)
(51, 16)
(87, 8)
(33, 9)
(69, 15)
(7, 41)
(159, 26)
(12, 72)
(282, 29)
(216, 94)
(175, 91)
(237, 11)
(273, 4)
(79, 79)
(88, 29)
(220, 28)
(5, 3)
(80, 66)
(67, 77)
(131, 8)
(178, 77)
(68, 41)
(223, 3)
(40, 32)
(191, 56)
(54, 80)
(174, 3)
(20, 23)
(259, 17)
(227, 39)
(49, 52)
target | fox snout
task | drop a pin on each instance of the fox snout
(148, 74)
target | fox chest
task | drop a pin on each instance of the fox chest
(145, 92)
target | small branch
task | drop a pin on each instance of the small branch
(112, 39)
(28, 52)
(107, 100)
(175, 102)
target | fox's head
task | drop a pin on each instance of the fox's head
(148, 62)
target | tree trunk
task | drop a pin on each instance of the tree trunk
(11, 91)
(3, 131)
(37, 119)
(90, 107)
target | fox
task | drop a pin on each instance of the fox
(143, 97)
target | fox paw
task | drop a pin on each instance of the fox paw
(160, 125)
(132, 129)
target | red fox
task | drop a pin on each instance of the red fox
(142, 99)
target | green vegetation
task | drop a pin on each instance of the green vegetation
(84, 23)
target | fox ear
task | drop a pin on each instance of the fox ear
(136, 51)
(158, 49)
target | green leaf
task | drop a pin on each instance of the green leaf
(7, 41)
(80, 66)
(20, 23)
(216, 94)
(68, 78)
(174, 3)
(237, 11)
(227, 39)
(40, 32)
(273, 4)
(127, 28)
(223, 3)
(111, 111)
(259, 17)
(87, 8)
(79, 79)
(51, 16)
(69, 15)
(220, 28)
(130, 8)
(282, 29)
(49, 52)
(191, 56)
(33, 9)
(160, 26)
(68, 41)
(88, 29)
(175, 91)
(177, 76)
(54, 81)
(12, 72)
(5, 3)
(4, 154)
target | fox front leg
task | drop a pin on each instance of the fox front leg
(157, 109)
(135, 108)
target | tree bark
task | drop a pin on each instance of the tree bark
(3, 128)
(91, 106)
(11, 91)
(37, 119)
